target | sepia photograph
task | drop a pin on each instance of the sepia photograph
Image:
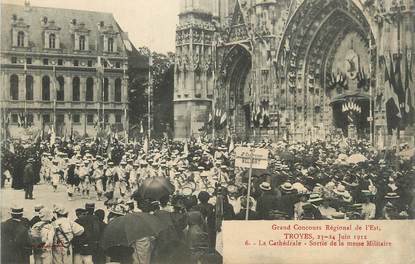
(207, 131)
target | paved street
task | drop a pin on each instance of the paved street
(43, 194)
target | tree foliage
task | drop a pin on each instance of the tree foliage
(162, 74)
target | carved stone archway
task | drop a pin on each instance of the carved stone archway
(320, 38)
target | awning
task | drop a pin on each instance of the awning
(346, 97)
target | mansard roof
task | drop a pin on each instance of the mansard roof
(63, 19)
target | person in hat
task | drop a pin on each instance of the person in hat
(224, 175)
(98, 174)
(327, 212)
(72, 180)
(298, 207)
(110, 177)
(252, 215)
(122, 176)
(208, 213)
(285, 203)
(134, 177)
(41, 236)
(83, 173)
(55, 174)
(85, 246)
(311, 208)
(368, 207)
(15, 243)
(65, 231)
(36, 217)
(266, 201)
(28, 179)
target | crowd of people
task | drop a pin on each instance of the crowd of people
(336, 179)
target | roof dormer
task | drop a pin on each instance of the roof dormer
(20, 33)
(51, 34)
(81, 35)
(110, 38)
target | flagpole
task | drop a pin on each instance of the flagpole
(215, 46)
(370, 93)
(54, 99)
(149, 96)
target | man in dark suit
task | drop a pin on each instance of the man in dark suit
(15, 241)
(266, 202)
(252, 215)
(86, 245)
(36, 217)
(28, 179)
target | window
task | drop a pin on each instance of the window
(89, 89)
(82, 43)
(45, 88)
(14, 60)
(20, 39)
(90, 63)
(110, 45)
(117, 65)
(14, 87)
(46, 119)
(76, 118)
(60, 119)
(75, 63)
(15, 118)
(60, 92)
(106, 84)
(29, 87)
(28, 60)
(106, 118)
(90, 119)
(52, 41)
(45, 61)
(118, 118)
(60, 62)
(76, 89)
(117, 94)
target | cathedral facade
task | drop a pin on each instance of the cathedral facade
(301, 69)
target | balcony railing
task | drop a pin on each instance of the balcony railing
(21, 104)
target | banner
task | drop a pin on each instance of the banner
(244, 155)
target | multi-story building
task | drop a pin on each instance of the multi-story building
(307, 68)
(62, 69)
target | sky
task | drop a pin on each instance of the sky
(150, 23)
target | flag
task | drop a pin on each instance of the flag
(99, 67)
(109, 149)
(52, 137)
(11, 147)
(145, 145)
(108, 62)
(19, 121)
(409, 109)
(399, 89)
(186, 149)
(393, 113)
(231, 145)
(141, 127)
(223, 119)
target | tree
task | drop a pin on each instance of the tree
(162, 73)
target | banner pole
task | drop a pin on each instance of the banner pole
(249, 185)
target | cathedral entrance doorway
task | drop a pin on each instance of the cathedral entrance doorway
(329, 55)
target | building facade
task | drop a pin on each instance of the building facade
(62, 69)
(294, 68)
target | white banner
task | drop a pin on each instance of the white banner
(259, 157)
